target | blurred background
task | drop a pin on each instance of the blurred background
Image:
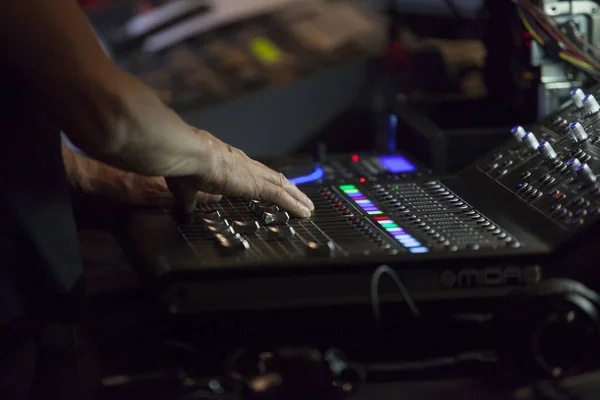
(286, 77)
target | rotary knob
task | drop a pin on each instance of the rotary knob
(577, 95)
(518, 133)
(280, 218)
(531, 141)
(578, 132)
(590, 104)
(586, 174)
(546, 151)
(573, 164)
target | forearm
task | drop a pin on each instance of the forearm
(51, 50)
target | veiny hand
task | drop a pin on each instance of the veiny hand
(101, 180)
(232, 173)
(153, 140)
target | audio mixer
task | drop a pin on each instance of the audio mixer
(525, 212)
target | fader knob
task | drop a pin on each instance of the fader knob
(231, 246)
(573, 164)
(586, 174)
(259, 208)
(531, 141)
(578, 132)
(280, 232)
(518, 133)
(280, 218)
(246, 226)
(590, 104)
(577, 95)
(314, 249)
(546, 151)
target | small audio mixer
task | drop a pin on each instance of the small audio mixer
(525, 212)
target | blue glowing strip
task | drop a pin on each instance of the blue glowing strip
(317, 174)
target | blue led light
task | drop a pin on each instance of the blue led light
(363, 201)
(411, 244)
(397, 231)
(397, 164)
(351, 195)
(419, 250)
(317, 174)
(403, 237)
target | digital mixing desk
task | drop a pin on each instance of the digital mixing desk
(525, 212)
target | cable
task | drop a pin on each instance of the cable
(486, 357)
(530, 29)
(543, 30)
(386, 270)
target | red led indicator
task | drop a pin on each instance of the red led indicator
(381, 218)
(362, 180)
(355, 158)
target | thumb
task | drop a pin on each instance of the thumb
(185, 198)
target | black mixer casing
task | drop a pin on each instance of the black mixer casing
(510, 219)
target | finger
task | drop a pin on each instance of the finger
(185, 197)
(276, 194)
(280, 180)
(205, 198)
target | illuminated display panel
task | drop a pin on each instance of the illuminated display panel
(403, 237)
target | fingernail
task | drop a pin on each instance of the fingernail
(311, 205)
(306, 213)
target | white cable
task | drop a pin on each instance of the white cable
(386, 270)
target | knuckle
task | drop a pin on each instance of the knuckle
(282, 179)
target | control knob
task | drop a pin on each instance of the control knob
(531, 141)
(578, 132)
(518, 133)
(573, 164)
(577, 95)
(546, 151)
(586, 174)
(590, 104)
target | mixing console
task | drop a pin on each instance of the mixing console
(514, 217)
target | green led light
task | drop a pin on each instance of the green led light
(348, 187)
(375, 212)
(350, 191)
(390, 226)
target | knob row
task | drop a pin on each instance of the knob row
(587, 103)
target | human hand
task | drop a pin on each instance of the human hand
(103, 181)
(151, 139)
